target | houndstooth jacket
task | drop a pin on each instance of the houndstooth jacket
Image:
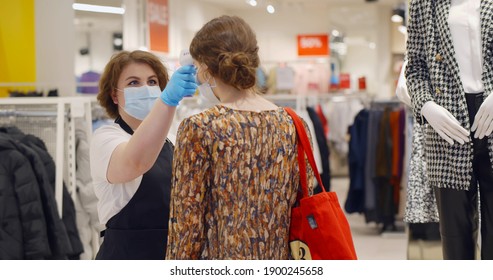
(432, 74)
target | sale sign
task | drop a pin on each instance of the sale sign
(317, 44)
(344, 81)
(158, 21)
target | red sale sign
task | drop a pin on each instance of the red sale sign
(344, 81)
(317, 44)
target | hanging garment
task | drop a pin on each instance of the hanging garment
(323, 119)
(281, 79)
(23, 231)
(89, 77)
(68, 209)
(86, 203)
(61, 245)
(311, 78)
(316, 149)
(370, 173)
(397, 136)
(323, 148)
(341, 115)
(385, 206)
(358, 131)
(261, 79)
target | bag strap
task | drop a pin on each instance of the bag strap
(304, 148)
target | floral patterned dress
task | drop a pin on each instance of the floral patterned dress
(235, 181)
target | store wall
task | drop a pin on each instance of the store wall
(186, 18)
(276, 35)
(37, 42)
(100, 50)
(369, 53)
(97, 36)
(55, 44)
(17, 43)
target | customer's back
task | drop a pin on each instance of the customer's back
(235, 165)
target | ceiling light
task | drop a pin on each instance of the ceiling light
(271, 9)
(98, 9)
(396, 18)
(252, 3)
(398, 14)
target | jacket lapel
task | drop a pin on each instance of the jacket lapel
(442, 12)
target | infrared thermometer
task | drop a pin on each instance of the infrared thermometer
(185, 58)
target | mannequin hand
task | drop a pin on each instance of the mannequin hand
(181, 84)
(401, 90)
(483, 122)
(444, 123)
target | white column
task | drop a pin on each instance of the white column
(55, 43)
(383, 45)
(134, 28)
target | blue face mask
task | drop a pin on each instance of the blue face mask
(139, 100)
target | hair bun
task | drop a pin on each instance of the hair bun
(240, 59)
(237, 69)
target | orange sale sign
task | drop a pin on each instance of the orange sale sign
(158, 21)
(317, 44)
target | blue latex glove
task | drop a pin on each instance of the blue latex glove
(181, 84)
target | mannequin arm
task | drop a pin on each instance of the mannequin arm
(483, 122)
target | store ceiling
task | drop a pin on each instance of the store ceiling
(347, 12)
(241, 4)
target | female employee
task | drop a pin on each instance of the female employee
(131, 159)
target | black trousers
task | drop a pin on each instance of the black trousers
(458, 210)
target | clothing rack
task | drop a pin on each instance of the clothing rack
(304, 100)
(26, 84)
(34, 85)
(385, 101)
(14, 113)
(63, 110)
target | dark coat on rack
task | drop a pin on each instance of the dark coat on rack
(57, 233)
(75, 247)
(23, 232)
(358, 131)
(323, 147)
(63, 235)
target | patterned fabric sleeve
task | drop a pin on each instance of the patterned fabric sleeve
(310, 175)
(417, 75)
(191, 175)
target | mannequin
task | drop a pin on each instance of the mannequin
(449, 79)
